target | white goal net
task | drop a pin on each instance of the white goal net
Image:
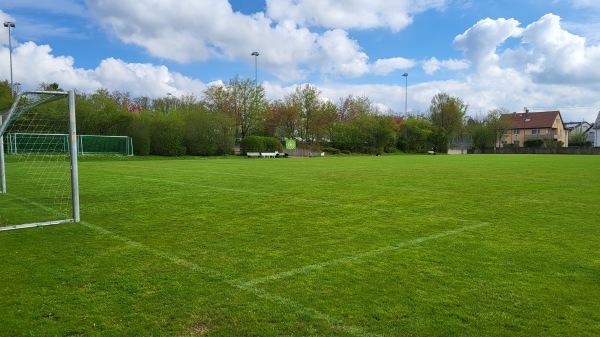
(38, 161)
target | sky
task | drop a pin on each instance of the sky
(539, 54)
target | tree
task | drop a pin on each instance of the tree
(418, 135)
(360, 128)
(482, 135)
(308, 98)
(497, 125)
(448, 113)
(488, 131)
(579, 138)
(241, 100)
(286, 117)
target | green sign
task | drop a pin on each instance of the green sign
(290, 144)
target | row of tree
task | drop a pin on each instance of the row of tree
(229, 112)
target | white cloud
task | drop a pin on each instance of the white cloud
(557, 56)
(386, 66)
(479, 42)
(200, 30)
(351, 14)
(586, 3)
(433, 64)
(36, 64)
(342, 56)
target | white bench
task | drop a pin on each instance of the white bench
(431, 152)
(253, 154)
(268, 154)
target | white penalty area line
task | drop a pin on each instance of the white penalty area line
(414, 242)
(261, 293)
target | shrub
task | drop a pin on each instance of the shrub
(331, 150)
(534, 142)
(252, 144)
(140, 135)
(167, 136)
(272, 144)
(209, 134)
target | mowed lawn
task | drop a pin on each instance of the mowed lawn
(477, 245)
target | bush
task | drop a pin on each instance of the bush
(167, 136)
(260, 144)
(208, 134)
(534, 142)
(272, 144)
(140, 135)
(331, 150)
(252, 144)
(579, 144)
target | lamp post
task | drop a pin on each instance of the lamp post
(168, 101)
(18, 87)
(255, 54)
(406, 97)
(10, 25)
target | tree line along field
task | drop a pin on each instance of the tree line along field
(334, 246)
(224, 114)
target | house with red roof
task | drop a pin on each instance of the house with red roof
(546, 125)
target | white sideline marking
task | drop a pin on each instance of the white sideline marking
(261, 293)
(311, 267)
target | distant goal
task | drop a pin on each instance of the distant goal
(23, 143)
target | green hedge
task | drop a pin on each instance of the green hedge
(260, 144)
(331, 150)
(534, 142)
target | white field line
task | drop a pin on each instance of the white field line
(292, 197)
(261, 293)
(308, 268)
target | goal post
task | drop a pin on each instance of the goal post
(41, 183)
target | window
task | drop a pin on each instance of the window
(535, 132)
(516, 142)
(516, 132)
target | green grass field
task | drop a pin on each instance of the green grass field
(334, 246)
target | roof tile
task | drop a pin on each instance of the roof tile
(531, 120)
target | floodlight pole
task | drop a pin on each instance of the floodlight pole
(255, 54)
(10, 25)
(405, 75)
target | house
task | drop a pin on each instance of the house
(585, 127)
(577, 126)
(594, 133)
(547, 125)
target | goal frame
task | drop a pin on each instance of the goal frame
(12, 114)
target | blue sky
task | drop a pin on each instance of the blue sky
(540, 54)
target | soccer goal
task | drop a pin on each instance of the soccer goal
(93, 144)
(19, 143)
(38, 161)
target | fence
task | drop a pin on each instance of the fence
(539, 150)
